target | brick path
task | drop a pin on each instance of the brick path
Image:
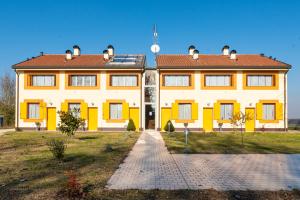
(150, 166)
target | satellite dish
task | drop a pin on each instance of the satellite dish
(155, 48)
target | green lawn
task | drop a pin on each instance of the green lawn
(231, 143)
(28, 170)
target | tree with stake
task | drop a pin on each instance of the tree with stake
(238, 120)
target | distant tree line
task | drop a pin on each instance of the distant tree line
(7, 99)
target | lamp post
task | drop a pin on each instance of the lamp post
(186, 132)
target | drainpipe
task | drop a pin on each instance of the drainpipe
(17, 101)
(141, 99)
(158, 106)
(285, 103)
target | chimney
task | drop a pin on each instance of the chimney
(191, 50)
(195, 54)
(105, 55)
(233, 55)
(68, 55)
(225, 50)
(76, 50)
(111, 50)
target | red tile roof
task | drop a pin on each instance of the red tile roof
(59, 61)
(177, 61)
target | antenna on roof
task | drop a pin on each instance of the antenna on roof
(155, 47)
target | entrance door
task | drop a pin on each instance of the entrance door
(250, 124)
(150, 117)
(93, 119)
(51, 119)
(165, 117)
(134, 114)
(207, 119)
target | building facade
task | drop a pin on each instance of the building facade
(201, 91)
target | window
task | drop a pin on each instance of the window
(83, 80)
(218, 80)
(124, 80)
(269, 111)
(177, 80)
(226, 111)
(43, 80)
(74, 108)
(115, 111)
(260, 80)
(33, 111)
(185, 111)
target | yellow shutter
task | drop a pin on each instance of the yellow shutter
(125, 110)
(236, 108)
(174, 111)
(105, 111)
(217, 111)
(279, 111)
(23, 110)
(83, 110)
(259, 111)
(43, 110)
(194, 111)
(64, 106)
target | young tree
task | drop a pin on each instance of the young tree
(7, 99)
(69, 122)
(239, 119)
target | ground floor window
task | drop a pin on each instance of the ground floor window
(115, 110)
(185, 111)
(74, 108)
(33, 111)
(269, 111)
(226, 111)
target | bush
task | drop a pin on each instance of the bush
(74, 189)
(69, 122)
(172, 128)
(57, 147)
(131, 126)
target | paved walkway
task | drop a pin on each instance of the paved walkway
(3, 131)
(150, 166)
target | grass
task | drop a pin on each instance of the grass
(230, 143)
(28, 170)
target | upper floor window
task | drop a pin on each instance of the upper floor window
(115, 110)
(218, 80)
(83, 80)
(185, 111)
(177, 80)
(226, 111)
(33, 111)
(43, 80)
(269, 111)
(260, 80)
(124, 80)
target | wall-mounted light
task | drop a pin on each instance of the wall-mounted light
(250, 104)
(166, 104)
(208, 104)
(92, 103)
(51, 103)
(133, 103)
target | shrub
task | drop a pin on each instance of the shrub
(131, 126)
(69, 122)
(172, 128)
(57, 147)
(74, 189)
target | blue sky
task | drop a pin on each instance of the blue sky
(250, 26)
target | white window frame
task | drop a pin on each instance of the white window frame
(218, 80)
(184, 111)
(43, 80)
(83, 80)
(124, 80)
(177, 80)
(115, 114)
(33, 111)
(269, 111)
(225, 112)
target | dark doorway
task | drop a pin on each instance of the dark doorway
(150, 117)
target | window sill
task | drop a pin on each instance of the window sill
(218, 88)
(32, 120)
(269, 121)
(82, 87)
(115, 120)
(177, 87)
(184, 121)
(260, 88)
(123, 87)
(41, 87)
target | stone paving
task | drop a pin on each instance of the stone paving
(150, 166)
(3, 131)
